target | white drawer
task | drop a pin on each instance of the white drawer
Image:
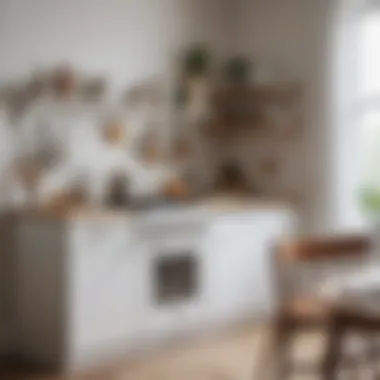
(167, 231)
(105, 237)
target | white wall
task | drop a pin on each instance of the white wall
(125, 39)
(296, 34)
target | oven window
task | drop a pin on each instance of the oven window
(175, 278)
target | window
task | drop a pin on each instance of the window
(356, 103)
(368, 92)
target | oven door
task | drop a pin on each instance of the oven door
(176, 275)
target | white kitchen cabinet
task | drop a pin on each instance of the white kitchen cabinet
(86, 290)
(80, 290)
(237, 264)
(105, 287)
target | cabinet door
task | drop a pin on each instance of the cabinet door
(237, 272)
(105, 267)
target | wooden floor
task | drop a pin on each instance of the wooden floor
(231, 355)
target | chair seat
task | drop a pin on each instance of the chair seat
(307, 308)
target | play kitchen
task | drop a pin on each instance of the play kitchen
(113, 284)
(130, 230)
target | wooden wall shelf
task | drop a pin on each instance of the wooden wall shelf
(254, 108)
(284, 92)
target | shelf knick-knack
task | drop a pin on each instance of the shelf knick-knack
(238, 70)
(193, 92)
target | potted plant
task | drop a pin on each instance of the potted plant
(197, 61)
(194, 88)
(369, 198)
(237, 70)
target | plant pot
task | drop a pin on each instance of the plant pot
(197, 61)
(198, 102)
(237, 70)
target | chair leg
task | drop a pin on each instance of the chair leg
(373, 357)
(331, 361)
(282, 333)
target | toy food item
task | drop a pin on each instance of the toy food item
(94, 89)
(150, 149)
(28, 172)
(64, 81)
(114, 132)
(176, 189)
(182, 149)
(57, 202)
(269, 166)
(64, 201)
(37, 86)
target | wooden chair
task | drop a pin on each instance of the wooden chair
(352, 319)
(299, 267)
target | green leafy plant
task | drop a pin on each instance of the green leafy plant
(370, 200)
(238, 69)
(197, 60)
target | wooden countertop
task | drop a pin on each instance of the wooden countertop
(230, 201)
(214, 203)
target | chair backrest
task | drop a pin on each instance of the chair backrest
(300, 265)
